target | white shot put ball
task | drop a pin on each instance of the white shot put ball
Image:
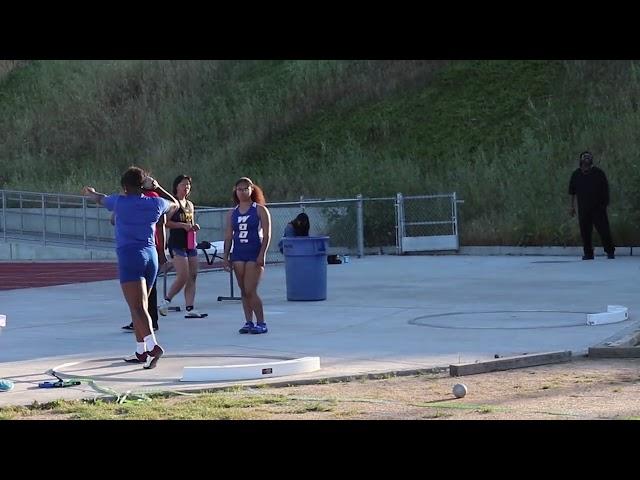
(459, 390)
(147, 183)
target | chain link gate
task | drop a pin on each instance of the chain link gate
(426, 223)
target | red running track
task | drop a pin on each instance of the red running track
(14, 275)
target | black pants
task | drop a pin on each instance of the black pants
(153, 305)
(595, 217)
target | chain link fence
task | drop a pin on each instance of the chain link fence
(338, 219)
(356, 226)
(54, 219)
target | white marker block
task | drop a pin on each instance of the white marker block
(614, 314)
(3, 321)
(250, 371)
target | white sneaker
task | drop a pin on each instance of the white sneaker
(195, 314)
(163, 308)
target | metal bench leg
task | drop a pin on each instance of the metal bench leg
(231, 288)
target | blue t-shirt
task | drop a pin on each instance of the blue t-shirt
(136, 217)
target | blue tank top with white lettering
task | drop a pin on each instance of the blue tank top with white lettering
(247, 231)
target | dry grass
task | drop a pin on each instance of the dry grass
(582, 389)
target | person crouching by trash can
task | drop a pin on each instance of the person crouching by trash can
(298, 227)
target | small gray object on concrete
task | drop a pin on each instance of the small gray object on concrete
(459, 390)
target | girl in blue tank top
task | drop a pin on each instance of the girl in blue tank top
(248, 231)
(247, 234)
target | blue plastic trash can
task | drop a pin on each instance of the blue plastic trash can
(306, 267)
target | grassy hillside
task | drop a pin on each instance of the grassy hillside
(504, 134)
(70, 122)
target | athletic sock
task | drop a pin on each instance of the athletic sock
(150, 340)
(140, 347)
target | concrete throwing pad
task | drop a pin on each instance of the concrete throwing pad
(382, 314)
(250, 371)
(508, 363)
(503, 319)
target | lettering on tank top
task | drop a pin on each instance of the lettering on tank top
(242, 228)
(184, 214)
(249, 229)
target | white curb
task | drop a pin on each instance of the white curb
(614, 314)
(250, 371)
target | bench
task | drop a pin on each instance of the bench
(211, 251)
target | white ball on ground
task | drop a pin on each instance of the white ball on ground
(459, 390)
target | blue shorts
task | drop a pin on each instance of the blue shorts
(135, 263)
(245, 254)
(182, 252)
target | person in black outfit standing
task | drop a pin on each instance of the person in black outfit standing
(590, 185)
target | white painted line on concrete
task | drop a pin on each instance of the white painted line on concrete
(250, 371)
(614, 314)
(57, 368)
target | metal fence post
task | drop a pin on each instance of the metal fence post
(44, 221)
(4, 215)
(360, 223)
(59, 219)
(84, 221)
(98, 225)
(21, 214)
(454, 212)
(399, 222)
